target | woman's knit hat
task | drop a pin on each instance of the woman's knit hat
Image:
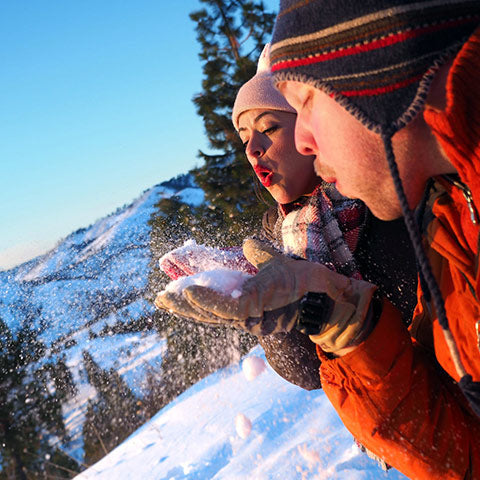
(259, 91)
(377, 58)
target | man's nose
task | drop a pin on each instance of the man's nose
(304, 139)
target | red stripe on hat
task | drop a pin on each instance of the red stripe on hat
(374, 45)
(380, 90)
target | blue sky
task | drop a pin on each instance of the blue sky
(96, 106)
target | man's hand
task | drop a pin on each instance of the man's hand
(270, 301)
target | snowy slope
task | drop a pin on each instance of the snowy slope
(91, 272)
(295, 435)
(96, 276)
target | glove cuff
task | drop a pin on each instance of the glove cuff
(353, 317)
(315, 311)
(371, 319)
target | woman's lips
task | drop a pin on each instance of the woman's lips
(264, 174)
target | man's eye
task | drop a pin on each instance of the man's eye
(245, 143)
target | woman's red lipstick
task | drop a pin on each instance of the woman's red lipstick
(264, 174)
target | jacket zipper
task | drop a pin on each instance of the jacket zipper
(471, 207)
(468, 197)
(477, 329)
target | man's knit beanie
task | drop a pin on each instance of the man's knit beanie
(259, 91)
(377, 58)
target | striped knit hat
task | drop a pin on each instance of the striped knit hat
(377, 58)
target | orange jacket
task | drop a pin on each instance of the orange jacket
(397, 391)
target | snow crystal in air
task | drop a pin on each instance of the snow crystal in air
(311, 456)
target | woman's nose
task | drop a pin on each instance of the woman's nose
(255, 149)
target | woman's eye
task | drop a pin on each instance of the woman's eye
(270, 130)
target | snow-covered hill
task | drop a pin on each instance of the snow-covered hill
(294, 434)
(95, 277)
(94, 271)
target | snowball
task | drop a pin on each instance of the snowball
(252, 367)
(228, 282)
(243, 425)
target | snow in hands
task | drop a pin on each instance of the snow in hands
(223, 270)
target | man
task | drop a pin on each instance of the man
(358, 75)
(387, 101)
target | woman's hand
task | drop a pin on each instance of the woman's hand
(270, 302)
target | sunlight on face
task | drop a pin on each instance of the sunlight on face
(268, 137)
(346, 152)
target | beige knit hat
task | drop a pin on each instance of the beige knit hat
(259, 91)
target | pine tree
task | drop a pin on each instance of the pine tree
(112, 415)
(62, 379)
(30, 406)
(232, 35)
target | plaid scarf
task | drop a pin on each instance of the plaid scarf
(325, 228)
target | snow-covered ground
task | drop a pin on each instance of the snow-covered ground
(294, 434)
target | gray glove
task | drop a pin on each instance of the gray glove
(270, 301)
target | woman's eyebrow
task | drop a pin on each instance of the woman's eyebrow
(257, 118)
(267, 112)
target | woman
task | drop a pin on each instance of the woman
(266, 125)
